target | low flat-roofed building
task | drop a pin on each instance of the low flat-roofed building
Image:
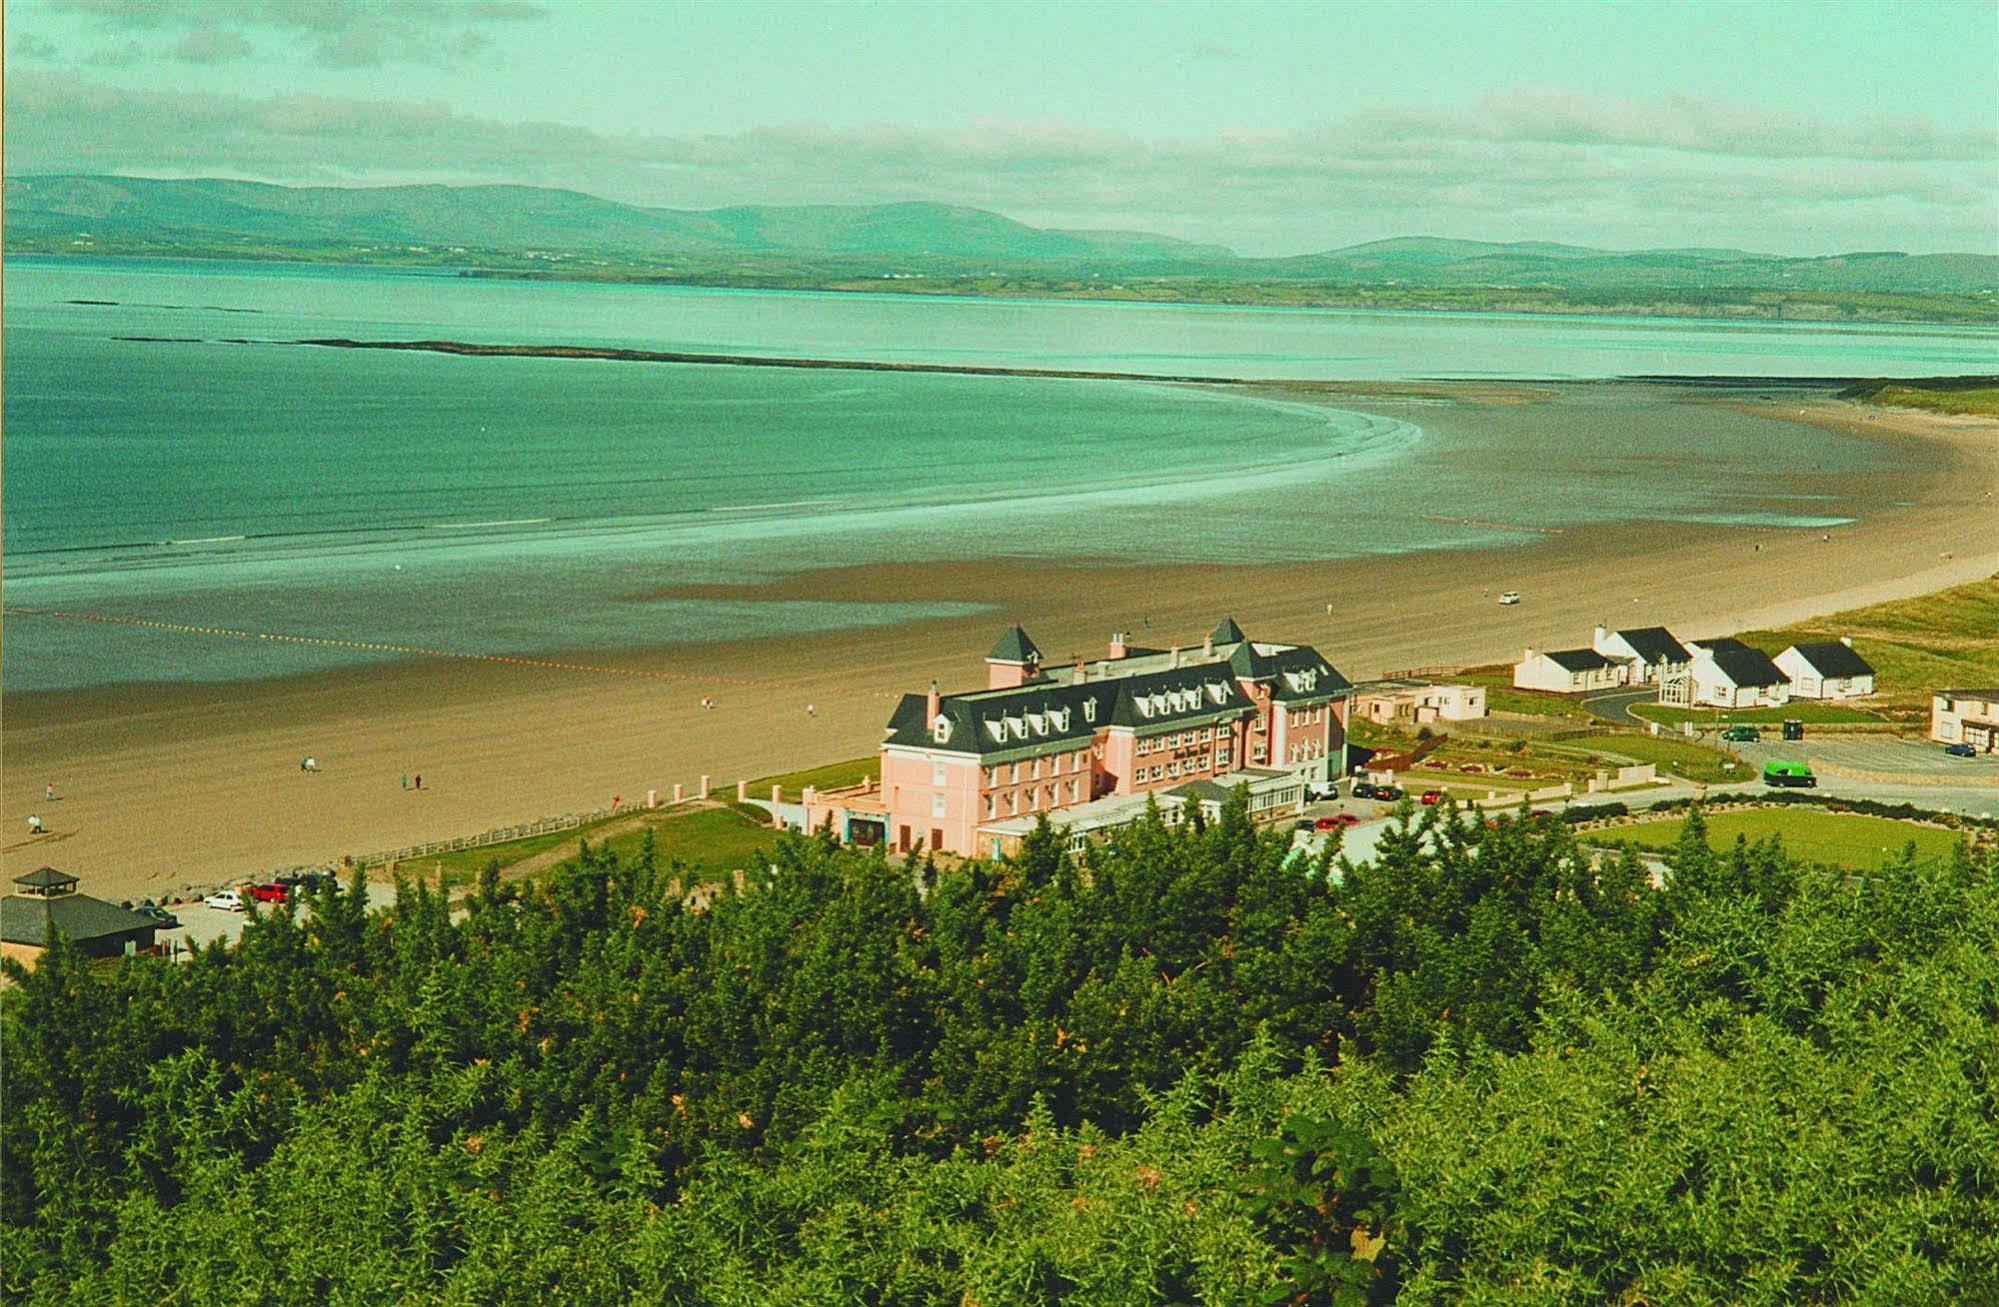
(1400, 702)
(1273, 794)
(1829, 670)
(1966, 717)
(47, 903)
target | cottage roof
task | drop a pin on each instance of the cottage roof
(1655, 644)
(28, 920)
(1015, 647)
(1834, 658)
(1743, 665)
(1577, 660)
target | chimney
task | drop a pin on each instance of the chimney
(931, 705)
(1846, 640)
(1527, 656)
(1174, 661)
(1117, 644)
(1597, 638)
(1082, 672)
(1208, 647)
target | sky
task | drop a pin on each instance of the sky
(1786, 126)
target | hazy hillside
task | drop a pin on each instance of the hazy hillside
(519, 218)
(518, 229)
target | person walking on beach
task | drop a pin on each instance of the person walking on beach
(419, 781)
(49, 791)
(34, 825)
(811, 710)
(406, 782)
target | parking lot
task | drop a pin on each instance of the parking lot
(200, 924)
(1878, 757)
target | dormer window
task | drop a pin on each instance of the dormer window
(996, 727)
(940, 729)
(1089, 710)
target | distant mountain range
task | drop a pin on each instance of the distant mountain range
(480, 226)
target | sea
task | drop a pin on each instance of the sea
(182, 477)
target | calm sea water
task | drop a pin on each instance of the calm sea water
(220, 477)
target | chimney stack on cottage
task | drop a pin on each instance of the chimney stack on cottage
(1118, 639)
(932, 704)
(1174, 661)
(1846, 640)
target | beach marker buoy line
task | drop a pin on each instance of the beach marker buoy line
(420, 651)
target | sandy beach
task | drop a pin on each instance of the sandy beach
(164, 787)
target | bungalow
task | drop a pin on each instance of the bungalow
(1567, 671)
(1729, 674)
(1418, 703)
(47, 903)
(1966, 717)
(1656, 657)
(1831, 670)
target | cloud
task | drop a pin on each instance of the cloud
(1530, 164)
(334, 33)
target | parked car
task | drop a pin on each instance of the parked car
(1365, 790)
(159, 916)
(305, 880)
(1307, 824)
(1430, 797)
(228, 900)
(1388, 793)
(269, 892)
(1960, 751)
(1510, 597)
(1742, 734)
(1783, 775)
(1336, 821)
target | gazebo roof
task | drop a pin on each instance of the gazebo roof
(46, 881)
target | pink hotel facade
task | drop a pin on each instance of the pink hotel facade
(1136, 721)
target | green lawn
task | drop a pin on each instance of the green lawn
(1807, 712)
(706, 839)
(1843, 839)
(1682, 758)
(830, 776)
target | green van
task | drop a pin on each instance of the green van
(1782, 774)
(1741, 734)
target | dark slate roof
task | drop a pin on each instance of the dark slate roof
(1576, 660)
(1050, 716)
(1297, 672)
(1655, 644)
(26, 920)
(1743, 665)
(1014, 647)
(1228, 632)
(46, 878)
(1834, 659)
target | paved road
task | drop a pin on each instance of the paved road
(1616, 704)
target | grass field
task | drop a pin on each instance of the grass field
(706, 840)
(1843, 839)
(1682, 758)
(1950, 638)
(1824, 714)
(830, 776)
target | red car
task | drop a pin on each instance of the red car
(1337, 820)
(268, 892)
(1431, 797)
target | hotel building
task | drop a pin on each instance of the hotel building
(960, 772)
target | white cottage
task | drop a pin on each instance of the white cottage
(1567, 671)
(1729, 674)
(1653, 652)
(1827, 671)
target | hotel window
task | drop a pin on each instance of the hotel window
(992, 775)
(936, 805)
(1012, 802)
(1051, 796)
(1034, 768)
(1016, 772)
(992, 807)
(937, 773)
(1072, 791)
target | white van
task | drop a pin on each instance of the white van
(228, 900)
(1510, 597)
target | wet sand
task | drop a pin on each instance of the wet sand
(163, 787)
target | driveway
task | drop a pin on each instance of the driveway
(1616, 704)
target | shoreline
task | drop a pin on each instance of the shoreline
(186, 783)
